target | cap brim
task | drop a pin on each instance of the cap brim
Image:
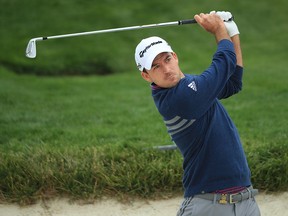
(148, 63)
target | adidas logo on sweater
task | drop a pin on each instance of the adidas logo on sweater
(192, 85)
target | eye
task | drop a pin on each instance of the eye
(156, 66)
(168, 58)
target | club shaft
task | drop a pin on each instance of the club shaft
(181, 22)
(31, 47)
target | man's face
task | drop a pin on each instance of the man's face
(165, 71)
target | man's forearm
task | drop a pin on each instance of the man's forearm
(236, 41)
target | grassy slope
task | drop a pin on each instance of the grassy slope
(21, 21)
(73, 111)
(43, 116)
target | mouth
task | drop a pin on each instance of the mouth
(172, 77)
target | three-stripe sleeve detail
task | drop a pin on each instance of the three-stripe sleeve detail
(178, 124)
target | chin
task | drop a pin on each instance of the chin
(172, 84)
(169, 83)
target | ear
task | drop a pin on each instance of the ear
(146, 76)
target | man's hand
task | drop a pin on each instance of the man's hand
(233, 33)
(213, 24)
(224, 15)
(231, 26)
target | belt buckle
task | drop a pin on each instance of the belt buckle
(223, 199)
(231, 198)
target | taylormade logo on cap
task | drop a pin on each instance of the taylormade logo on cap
(148, 49)
(141, 54)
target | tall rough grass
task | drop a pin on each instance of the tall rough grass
(88, 173)
(269, 166)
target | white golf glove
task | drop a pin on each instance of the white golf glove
(230, 25)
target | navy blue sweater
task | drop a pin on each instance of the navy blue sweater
(202, 129)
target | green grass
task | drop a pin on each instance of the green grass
(261, 25)
(82, 136)
(88, 110)
(87, 136)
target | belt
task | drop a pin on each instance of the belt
(229, 198)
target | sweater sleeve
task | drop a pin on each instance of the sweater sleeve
(194, 95)
(233, 85)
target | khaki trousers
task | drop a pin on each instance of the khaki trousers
(194, 206)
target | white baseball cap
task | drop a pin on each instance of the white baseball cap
(148, 49)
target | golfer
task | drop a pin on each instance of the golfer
(216, 175)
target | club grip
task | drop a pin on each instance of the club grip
(190, 21)
(193, 21)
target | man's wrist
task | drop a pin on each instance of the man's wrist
(222, 34)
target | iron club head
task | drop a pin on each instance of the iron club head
(31, 48)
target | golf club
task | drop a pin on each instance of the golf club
(31, 47)
(166, 147)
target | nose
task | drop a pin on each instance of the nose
(166, 69)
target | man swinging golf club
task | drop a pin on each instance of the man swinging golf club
(216, 175)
